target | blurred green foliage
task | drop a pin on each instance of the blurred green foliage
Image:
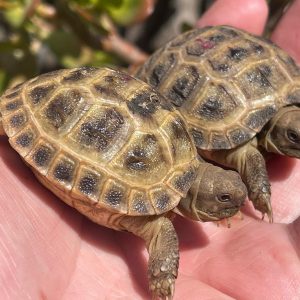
(37, 36)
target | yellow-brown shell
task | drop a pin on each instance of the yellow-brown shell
(103, 138)
(226, 82)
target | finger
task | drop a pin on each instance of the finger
(250, 15)
(285, 175)
(188, 287)
(287, 32)
(294, 229)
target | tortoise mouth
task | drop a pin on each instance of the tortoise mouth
(291, 152)
(219, 215)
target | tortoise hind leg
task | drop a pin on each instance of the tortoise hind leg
(162, 244)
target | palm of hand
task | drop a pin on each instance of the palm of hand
(49, 251)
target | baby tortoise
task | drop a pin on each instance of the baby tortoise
(240, 95)
(110, 146)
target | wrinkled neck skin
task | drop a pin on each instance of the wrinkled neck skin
(187, 206)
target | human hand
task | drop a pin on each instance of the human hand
(49, 251)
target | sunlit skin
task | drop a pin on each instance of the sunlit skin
(49, 251)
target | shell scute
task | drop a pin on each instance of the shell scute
(88, 183)
(162, 66)
(184, 85)
(39, 93)
(42, 156)
(63, 171)
(101, 133)
(231, 59)
(15, 121)
(140, 203)
(162, 199)
(238, 136)
(144, 154)
(24, 140)
(115, 196)
(79, 75)
(216, 103)
(257, 118)
(181, 181)
(63, 108)
(179, 139)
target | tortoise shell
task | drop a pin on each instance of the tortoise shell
(226, 82)
(101, 140)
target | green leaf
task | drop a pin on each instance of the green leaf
(63, 44)
(15, 15)
(124, 13)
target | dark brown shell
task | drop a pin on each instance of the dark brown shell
(226, 82)
(101, 139)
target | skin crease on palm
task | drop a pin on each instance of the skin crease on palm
(49, 251)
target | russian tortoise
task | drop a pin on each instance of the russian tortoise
(240, 95)
(113, 148)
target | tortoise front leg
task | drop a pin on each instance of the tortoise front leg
(250, 163)
(162, 244)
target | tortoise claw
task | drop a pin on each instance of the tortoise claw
(269, 214)
(262, 203)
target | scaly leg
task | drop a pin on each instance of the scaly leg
(162, 244)
(250, 163)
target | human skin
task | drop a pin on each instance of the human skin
(49, 251)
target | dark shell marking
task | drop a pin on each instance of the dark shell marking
(160, 71)
(139, 205)
(182, 183)
(184, 85)
(98, 132)
(255, 120)
(198, 138)
(79, 74)
(42, 156)
(13, 105)
(239, 136)
(18, 120)
(39, 93)
(217, 105)
(144, 155)
(162, 201)
(114, 196)
(25, 139)
(64, 171)
(88, 184)
(146, 103)
(62, 107)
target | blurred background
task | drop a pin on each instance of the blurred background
(37, 36)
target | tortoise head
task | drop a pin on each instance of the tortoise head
(216, 194)
(284, 133)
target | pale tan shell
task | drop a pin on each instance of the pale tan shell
(226, 82)
(99, 138)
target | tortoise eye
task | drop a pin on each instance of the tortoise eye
(224, 198)
(292, 136)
